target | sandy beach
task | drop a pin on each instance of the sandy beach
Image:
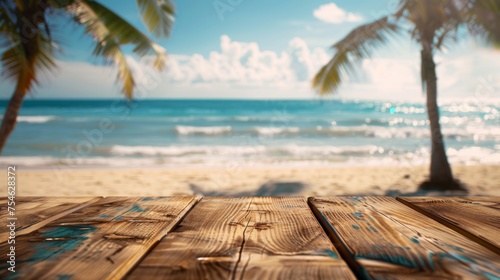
(307, 181)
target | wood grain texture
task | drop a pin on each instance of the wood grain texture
(478, 218)
(103, 240)
(34, 212)
(245, 238)
(389, 240)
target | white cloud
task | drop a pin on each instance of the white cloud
(331, 13)
(244, 70)
(245, 64)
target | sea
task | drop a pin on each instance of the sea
(237, 133)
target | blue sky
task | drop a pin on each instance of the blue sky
(199, 24)
(262, 49)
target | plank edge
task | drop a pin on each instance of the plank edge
(355, 267)
(47, 221)
(122, 271)
(449, 225)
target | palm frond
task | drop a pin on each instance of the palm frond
(435, 24)
(483, 20)
(350, 51)
(107, 45)
(47, 52)
(14, 62)
(110, 50)
(110, 32)
(448, 33)
(158, 16)
(8, 27)
(19, 4)
(17, 66)
(60, 4)
(125, 33)
(437, 21)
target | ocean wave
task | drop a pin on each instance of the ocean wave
(469, 132)
(75, 162)
(202, 130)
(184, 150)
(473, 155)
(244, 118)
(269, 131)
(477, 133)
(35, 119)
(82, 119)
(292, 150)
(294, 155)
(315, 151)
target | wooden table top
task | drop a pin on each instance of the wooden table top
(345, 237)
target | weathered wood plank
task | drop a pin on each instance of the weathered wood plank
(103, 240)
(478, 218)
(386, 239)
(203, 245)
(33, 212)
(245, 238)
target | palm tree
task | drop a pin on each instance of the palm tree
(28, 48)
(433, 24)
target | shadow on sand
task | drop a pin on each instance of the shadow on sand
(271, 188)
(396, 193)
(278, 188)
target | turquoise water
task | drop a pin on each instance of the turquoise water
(176, 133)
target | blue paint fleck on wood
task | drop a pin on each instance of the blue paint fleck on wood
(490, 276)
(137, 208)
(396, 259)
(358, 215)
(60, 240)
(331, 254)
(357, 198)
(64, 277)
(355, 226)
(56, 242)
(415, 240)
(458, 249)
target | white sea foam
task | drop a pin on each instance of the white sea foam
(178, 156)
(469, 132)
(256, 151)
(269, 131)
(28, 161)
(473, 155)
(35, 119)
(295, 153)
(62, 163)
(202, 130)
(421, 132)
(244, 118)
(185, 150)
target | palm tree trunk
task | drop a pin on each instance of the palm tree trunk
(10, 116)
(440, 171)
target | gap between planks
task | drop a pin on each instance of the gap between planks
(400, 240)
(338, 243)
(442, 220)
(183, 214)
(334, 236)
(37, 225)
(65, 259)
(130, 264)
(245, 238)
